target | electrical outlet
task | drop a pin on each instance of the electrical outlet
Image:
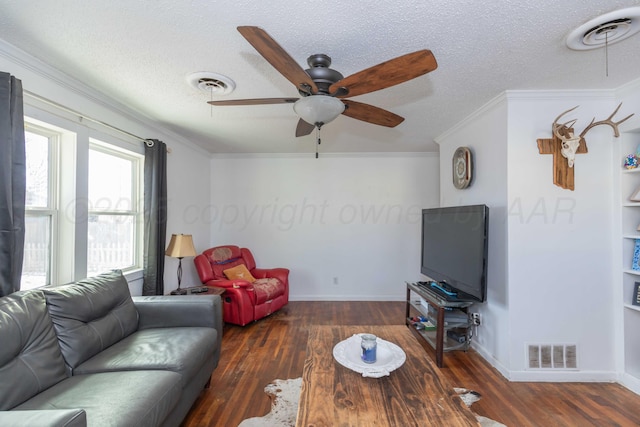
(335, 281)
(475, 317)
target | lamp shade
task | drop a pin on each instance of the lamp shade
(180, 246)
(318, 109)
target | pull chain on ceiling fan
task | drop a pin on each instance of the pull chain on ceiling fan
(324, 90)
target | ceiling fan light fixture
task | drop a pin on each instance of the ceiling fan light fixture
(318, 109)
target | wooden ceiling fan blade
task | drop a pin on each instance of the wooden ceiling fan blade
(387, 74)
(257, 101)
(370, 114)
(278, 58)
(304, 128)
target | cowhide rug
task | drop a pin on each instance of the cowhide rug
(285, 395)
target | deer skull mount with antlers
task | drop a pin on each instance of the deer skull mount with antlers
(569, 144)
(566, 144)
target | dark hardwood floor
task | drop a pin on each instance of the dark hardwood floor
(272, 348)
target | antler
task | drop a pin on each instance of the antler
(557, 127)
(608, 121)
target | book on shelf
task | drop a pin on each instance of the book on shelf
(428, 326)
(635, 263)
(421, 323)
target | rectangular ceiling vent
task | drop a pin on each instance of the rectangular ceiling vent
(552, 356)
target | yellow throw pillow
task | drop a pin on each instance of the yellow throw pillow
(239, 272)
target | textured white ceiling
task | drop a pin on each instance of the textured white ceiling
(140, 52)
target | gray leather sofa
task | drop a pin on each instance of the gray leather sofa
(87, 353)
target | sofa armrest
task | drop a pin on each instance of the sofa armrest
(203, 267)
(42, 418)
(164, 311)
(224, 283)
(281, 274)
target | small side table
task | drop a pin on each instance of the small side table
(210, 290)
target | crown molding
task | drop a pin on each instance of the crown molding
(560, 94)
(311, 155)
(493, 103)
(52, 76)
(529, 95)
(632, 86)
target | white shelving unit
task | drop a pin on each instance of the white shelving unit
(629, 222)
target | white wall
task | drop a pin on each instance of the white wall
(560, 240)
(485, 133)
(351, 219)
(550, 249)
(188, 166)
(188, 189)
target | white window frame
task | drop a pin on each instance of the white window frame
(69, 221)
(52, 208)
(136, 211)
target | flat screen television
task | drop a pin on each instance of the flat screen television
(455, 248)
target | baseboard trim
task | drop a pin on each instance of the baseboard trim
(563, 376)
(490, 359)
(630, 382)
(357, 297)
(543, 375)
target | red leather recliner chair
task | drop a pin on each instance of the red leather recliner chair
(244, 301)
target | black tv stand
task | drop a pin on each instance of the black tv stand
(419, 295)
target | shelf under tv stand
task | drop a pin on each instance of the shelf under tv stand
(437, 339)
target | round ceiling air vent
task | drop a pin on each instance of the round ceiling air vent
(609, 28)
(211, 83)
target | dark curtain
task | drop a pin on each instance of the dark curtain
(155, 216)
(13, 180)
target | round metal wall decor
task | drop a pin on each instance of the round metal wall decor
(462, 168)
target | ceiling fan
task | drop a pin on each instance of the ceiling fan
(324, 90)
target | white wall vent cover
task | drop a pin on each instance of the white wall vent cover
(552, 356)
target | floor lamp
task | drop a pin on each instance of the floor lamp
(180, 246)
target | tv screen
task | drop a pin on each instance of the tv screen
(454, 249)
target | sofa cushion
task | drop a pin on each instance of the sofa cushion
(223, 258)
(44, 418)
(223, 254)
(137, 398)
(239, 272)
(267, 289)
(30, 359)
(182, 350)
(91, 315)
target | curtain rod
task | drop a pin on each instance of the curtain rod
(147, 141)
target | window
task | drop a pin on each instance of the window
(113, 231)
(40, 206)
(83, 211)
